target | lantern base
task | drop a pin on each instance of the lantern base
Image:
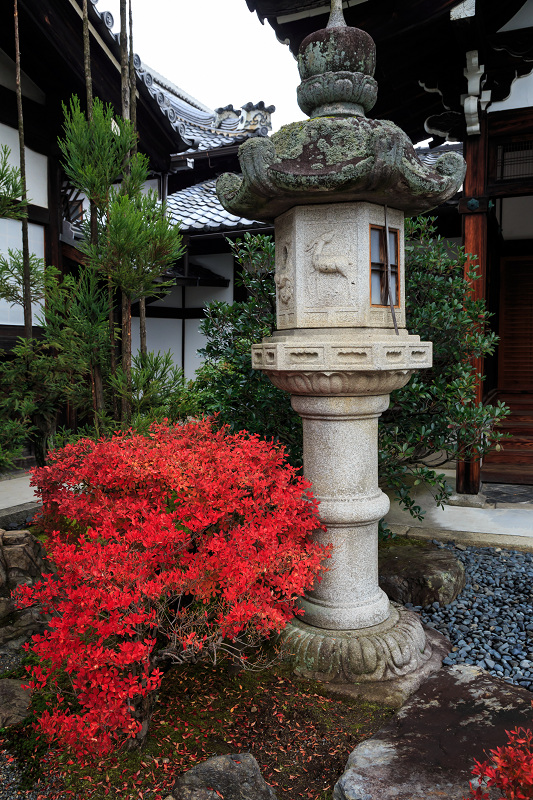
(385, 663)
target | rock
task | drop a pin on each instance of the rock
(22, 561)
(428, 749)
(14, 702)
(19, 627)
(18, 515)
(420, 575)
(6, 609)
(233, 777)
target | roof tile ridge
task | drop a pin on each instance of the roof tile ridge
(176, 90)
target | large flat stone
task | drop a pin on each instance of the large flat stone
(428, 749)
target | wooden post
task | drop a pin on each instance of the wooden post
(474, 207)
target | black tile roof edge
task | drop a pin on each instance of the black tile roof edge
(233, 225)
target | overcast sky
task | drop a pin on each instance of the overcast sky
(217, 51)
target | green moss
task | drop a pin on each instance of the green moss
(300, 733)
(404, 541)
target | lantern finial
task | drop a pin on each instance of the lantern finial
(336, 17)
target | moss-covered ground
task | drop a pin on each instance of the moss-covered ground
(300, 735)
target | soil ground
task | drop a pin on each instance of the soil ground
(300, 735)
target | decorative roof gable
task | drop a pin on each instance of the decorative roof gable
(209, 129)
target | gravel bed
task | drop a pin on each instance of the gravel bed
(9, 785)
(10, 660)
(490, 624)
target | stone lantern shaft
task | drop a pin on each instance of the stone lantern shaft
(337, 187)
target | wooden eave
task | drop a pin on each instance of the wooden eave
(416, 43)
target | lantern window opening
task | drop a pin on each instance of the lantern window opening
(379, 280)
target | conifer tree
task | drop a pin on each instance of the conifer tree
(26, 277)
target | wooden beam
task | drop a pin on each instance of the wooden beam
(71, 252)
(53, 230)
(475, 227)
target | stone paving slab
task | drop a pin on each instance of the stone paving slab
(428, 749)
(515, 520)
(478, 538)
(16, 490)
(18, 515)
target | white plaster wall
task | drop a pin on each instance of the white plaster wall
(151, 185)
(194, 341)
(161, 335)
(170, 300)
(517, 217)
(521, 95)
(220, 264)
(36, 166)
(165, 334)
(11, 239)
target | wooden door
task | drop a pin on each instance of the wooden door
(515, 351)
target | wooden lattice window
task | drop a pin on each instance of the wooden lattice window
(379, 274)
(514, 160)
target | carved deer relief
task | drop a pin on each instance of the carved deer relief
(328, 281)
(326, 263)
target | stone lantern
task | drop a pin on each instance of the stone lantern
(338, 186)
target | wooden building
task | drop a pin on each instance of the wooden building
(461, 71)
(186, 142)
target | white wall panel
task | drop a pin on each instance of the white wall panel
(36, 166)
(521, 95)
(11, 239)
(200, 296)
(193, 341)
(161, 334)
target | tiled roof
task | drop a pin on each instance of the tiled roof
(429, 155)
(208, 128)
(205, 128)
(199, 210)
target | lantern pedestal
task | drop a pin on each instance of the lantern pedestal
(384, 663)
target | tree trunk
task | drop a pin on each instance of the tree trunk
(133, 81)
(89, 91)
(43, 436)
(97, 386)
(26, 279)
(141, 709)
(142, 325)
(87, 61)
(112, 341)
(126, 358)
(124, 65)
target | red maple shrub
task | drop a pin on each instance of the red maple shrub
(510, 769)
(171, 546)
